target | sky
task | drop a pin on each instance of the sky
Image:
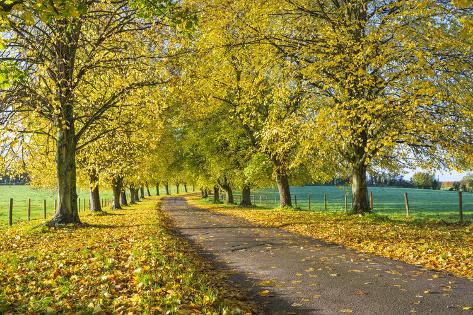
(444, 176)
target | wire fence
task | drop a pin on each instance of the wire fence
(31, 204)
(30, 210)
(435, 204)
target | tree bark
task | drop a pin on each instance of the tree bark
(225, 184)
(177, 188)
(157, 188)
(284, 190)
(67, 211)
(147, 190)
(167, 188)
(216, 194)
(245, 196)
(123, 200)
(66, 140)
(117, 184)
(94, 192)
(142, 192)
(132, 195)
(359, 188)
(229, 192)
(185, 188)
(205, 193)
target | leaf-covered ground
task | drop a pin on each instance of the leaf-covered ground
(123, 262)
(435, 245)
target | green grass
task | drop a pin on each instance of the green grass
(432, 204)
(21, 194)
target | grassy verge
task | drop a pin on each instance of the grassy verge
(432, 244)
(124, 261)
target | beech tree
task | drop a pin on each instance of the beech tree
(60, 53)
(389, 77)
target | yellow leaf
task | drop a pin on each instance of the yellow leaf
(264, 293)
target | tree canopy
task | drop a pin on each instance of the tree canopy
(232, 95)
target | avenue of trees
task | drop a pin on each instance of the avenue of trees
(228, 95)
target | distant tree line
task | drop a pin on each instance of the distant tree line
(466, 184)
(421, 180)
(22, 179)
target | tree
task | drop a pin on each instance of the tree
(60, 54)
(467, 182)
(381, 74)
(423, 180)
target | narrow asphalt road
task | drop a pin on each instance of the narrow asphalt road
(291, 274)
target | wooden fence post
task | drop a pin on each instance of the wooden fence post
(309, 202)
(460, 205)
(29, 209)
(44, 208)
(371, 200)
(346, 203)
(295, 201)
(325, 202)
(10, 213)
(406, 203)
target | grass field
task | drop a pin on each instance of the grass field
(386, 200)
(21, 193)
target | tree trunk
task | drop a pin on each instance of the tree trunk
(167, 188)
(216, 194)
(205, 193)
(65, 49)
(229, 192)
(157, 188)
(132, 195)
(67, 211)
(245, 196)
(284, 190)
(142, 192)
(123, 200)
(185, 188)
(177, 188)
(359, 190)
(94, 192)
(116, 188)
(147, 190)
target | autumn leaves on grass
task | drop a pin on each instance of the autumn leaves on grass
(123, 262)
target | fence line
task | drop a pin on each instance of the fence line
(325, 202)
(41, 211)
